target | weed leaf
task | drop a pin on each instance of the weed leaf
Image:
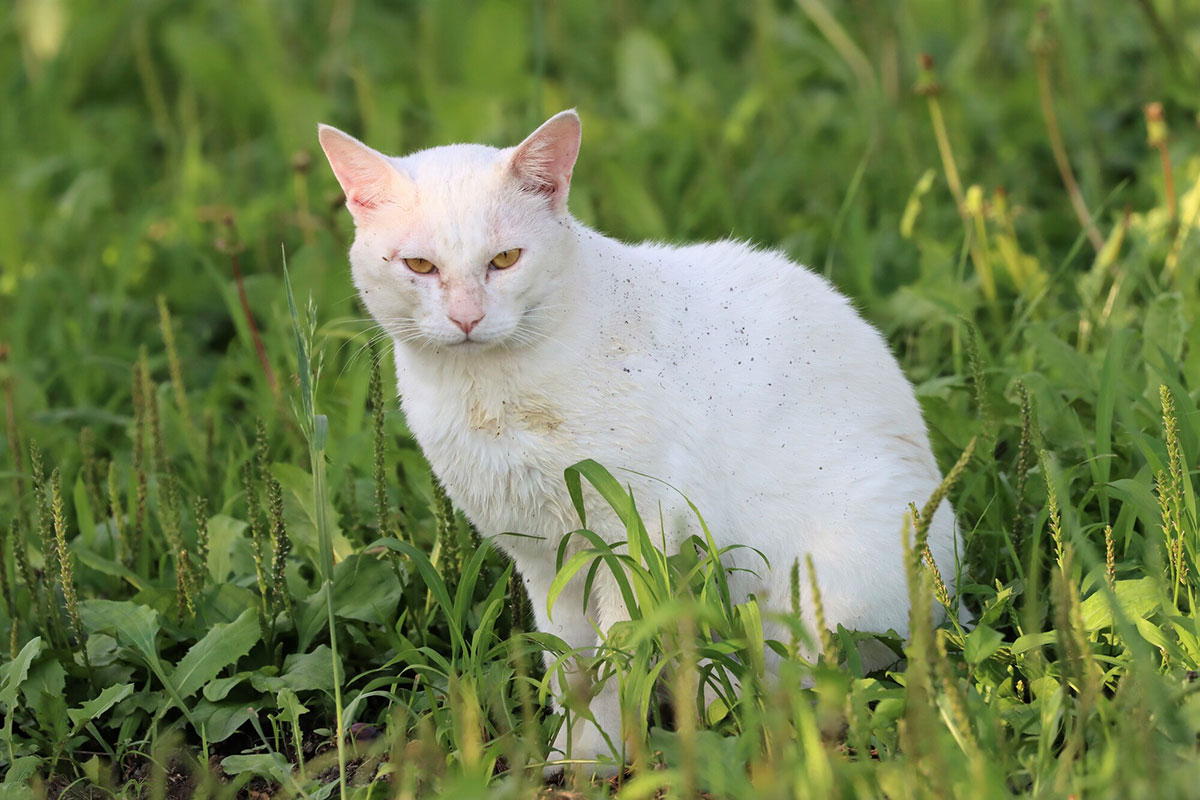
(103, 702)
(220, 647)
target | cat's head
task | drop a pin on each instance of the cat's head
(459, 247)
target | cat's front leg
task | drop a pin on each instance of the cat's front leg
(591, 732)
(591, 729)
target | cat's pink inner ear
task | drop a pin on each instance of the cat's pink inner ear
(366, 176)
(544, 161)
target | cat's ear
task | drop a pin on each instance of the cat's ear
(544, 161)
(367, 177)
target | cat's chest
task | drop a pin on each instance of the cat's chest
(500, 452)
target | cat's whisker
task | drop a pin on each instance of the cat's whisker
(376, 338)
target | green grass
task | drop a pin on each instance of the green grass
(165, 623)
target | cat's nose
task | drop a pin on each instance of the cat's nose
(466, 326)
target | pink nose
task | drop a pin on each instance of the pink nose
(466, 326)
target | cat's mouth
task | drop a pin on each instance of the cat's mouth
(468, 345)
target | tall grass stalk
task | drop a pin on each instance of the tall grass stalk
(137, 525)
(176, 369)
(974, 227)
(32, 584)
(1042, 46)
(379, 473)
(9, 536)
(1156, 137)
(10, 423)
(315, 428)
(826, 638)
(1025, 458)
(258, 535)
(1054, 520)
(66, 573)
(230, 245)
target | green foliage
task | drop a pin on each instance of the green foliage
(183, 589)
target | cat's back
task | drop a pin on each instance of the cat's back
(766, 361)
(753, 318)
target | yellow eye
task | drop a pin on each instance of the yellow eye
(421, 266)
(506, 259)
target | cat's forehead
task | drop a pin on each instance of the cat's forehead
(449, 166)
(464, 195)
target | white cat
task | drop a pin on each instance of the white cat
(526, 342)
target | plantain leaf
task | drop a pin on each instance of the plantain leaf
(1138, 600)
(300, 508)
(93, 560)
(220, 647)
(136, 624)
(272, 766)
(219, 721)
(97, 706)
(12, 675)
(223, 531)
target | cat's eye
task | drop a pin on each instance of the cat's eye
(421, 266)
(506, 259)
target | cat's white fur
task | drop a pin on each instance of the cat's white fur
(738, 377)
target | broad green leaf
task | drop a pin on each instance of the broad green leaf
(301, 512)
(83, 514)
(94, 770)
(981, 643)
(429, 574)
(223, 531)
(97, 706)
(219, 721)
(1139, 598)
(222, 646)
(751, 624)
(290, 704)
(43, 693)
(1157, 636)
(851, 651)
(312, 617)
(225, 602)
(93, 560)
(366, 588)
(1139, 496)
(306, 672)
(272, 766)
(218, 689)
(19, 772)
(138, 625)
(12, 677)
(310, 671)
(102, 650)
(1031, 641)
(134, 623)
